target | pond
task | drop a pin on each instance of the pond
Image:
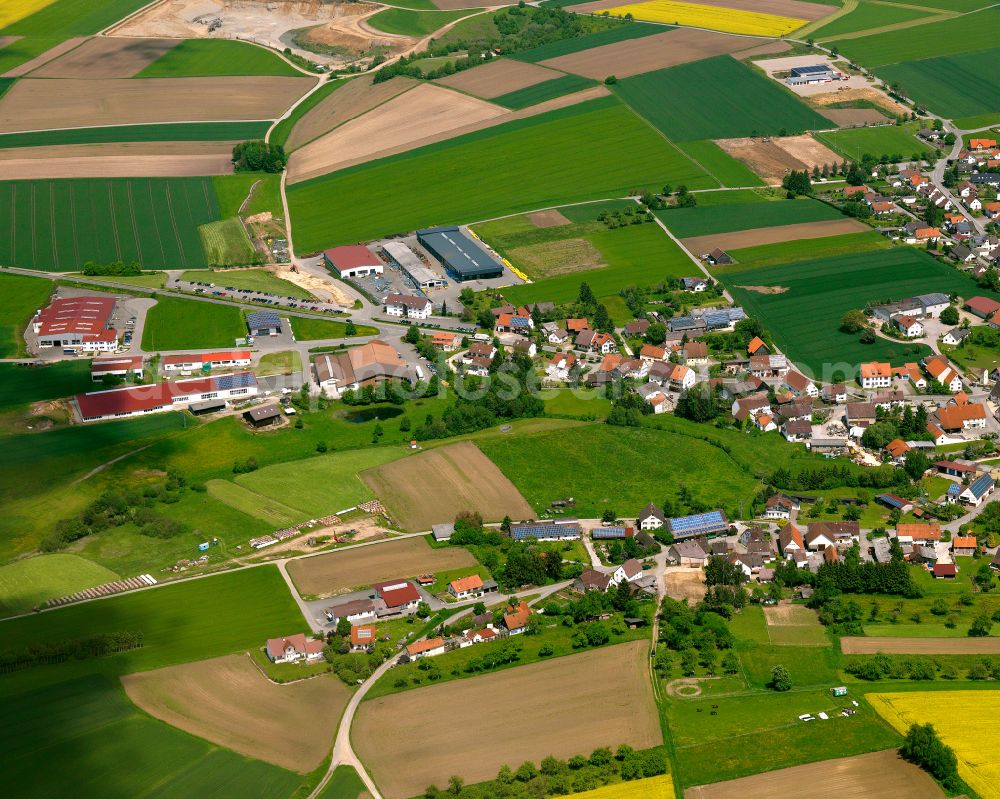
(368, 414)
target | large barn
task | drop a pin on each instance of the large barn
(353, 260)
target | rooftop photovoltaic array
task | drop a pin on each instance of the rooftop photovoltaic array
(698, 524)
(241, 380)
(259, 319)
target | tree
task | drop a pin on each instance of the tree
(731, 663)
(586, 295)
(923, 747)
(350, 329)
(259, 156)
(853, 321)
(981, 626)
(455, 784)
(423, 610)
(797, 183)
(781, 680)
(949, 316)
(344, 627)
(868, 337)
(412, 335)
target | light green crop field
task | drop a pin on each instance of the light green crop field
(959, 85)
(211, 57)
(20, 385)
(890, 140)
(29, 582)
(787, 252)
(147, 280)
(701, 221)
(616, 33)
(255, 279)
(180, 131)
(344, 784)
(540, 92)
(22, 296)
(546, 160)
(176, 324)
(232, 190)
(867, 16)
(226, 242)
(743, 102)
(410, 22)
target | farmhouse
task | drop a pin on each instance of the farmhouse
(695, 284)
(695, 352)
(545, 531)
(294, 648)
(964, 546)
(651, 518)
(119, 403)
(768, 365)
(711, 523)
(353, 260)
(751, 406)
(955, 336)
(124, 367)
(191, 362)
(354, 610)
(835, 394)
(367, 365)
(823, 534)
(411, 265)
(445, 342)
(799, 384)
(630, 571)
(263, 323)
(409, 306)
(560, 366)
(790, 540)
(399, 596)
(460, 254)
(980, 489)
(78, 323)
(909, 326)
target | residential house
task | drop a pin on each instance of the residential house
(779, 507)
(525, 346)
(939, 369)
(834, 394)
(516, 619)
(860, 415)
(408, 306)
(577, 326)
(876, 375)
(955, 336)
(695, 284)
(446, 342)
(757, 347)
(978, 491)
(799, 384)
(889, 400)
(896, 450)
(797, 430)
(970, 416)
(790, 540)
(765, 423)
(695, 352)
(399, 596)
(944, 571)
(362, 637)
(592, 580)
(823, 534)
(751, 406)
(637, 327)
(561, 365)
(465, 587)
(911, 371)
(768, 365)
(426, 649)
(293, 649)
(651, 518)
(651, 353)
(909, 326)
(963, 546)
(659, 402)
(629, 571)
(354, 611)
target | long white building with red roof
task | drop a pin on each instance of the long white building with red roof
(192, 361)
(120, 403)
(81, 323)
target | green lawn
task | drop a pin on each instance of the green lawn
(867, 16)
(701, 221)
(180, 131)
(616, 33)
(540, 92)
(415, 23)
(787, 252)
(23, 384)
(578, 403)
(890, 140)
(743, 102)
(29, 582)
(309, 329)
(176, 324)
(255, 279)
(720, 164)
(959, 85)
(148, 280)
(217, 57)
(750, 626)
(22, 296)
(226, 243)
(549, 159)
(279, 363)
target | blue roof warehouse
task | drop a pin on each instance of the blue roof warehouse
(461, 255)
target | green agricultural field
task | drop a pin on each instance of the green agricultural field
(549, 159)
(180, 131)
(344, 784)
(64, 18)
(148, 280)
(954, 86)
(231, 191)
(787, 252)
(978, 121)
(597, 451)
(409, 22)
(890, 140)
(22, 296)
(546, 90)
(251, 503)
(27, 583)
(743, 102)
(226, 243)
(279, 363)
(176, 324)
(702, 221)
(720, 164)
(577, 403)
(805, 319)
(961, 34)
(210, 57)
(21, 50)
(867, 16)
(58, 225)
(617, 33)
(20, 385)
(106, 747)
(316, 329)
(283, 129)
(738, 196)
(255, 279)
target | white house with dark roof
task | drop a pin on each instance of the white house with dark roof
(409, 306)
(651, 518)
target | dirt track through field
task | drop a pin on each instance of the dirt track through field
(498, 77)
(339, 572)
(44, 58)
(920, 646)
(40, 104)
(433, 487)
(878, 774)
(351, 100)
(659, 51)
(102, 57)
(854, 117)
(230, 703)
(471, 727)
(118, 160)
(772, 235)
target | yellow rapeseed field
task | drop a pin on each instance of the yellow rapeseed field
(14, 10)
(652, 788)
(728, 20)
(968, 721)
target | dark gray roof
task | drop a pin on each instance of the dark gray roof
(263, 413)
(459, 252)
(263, 319)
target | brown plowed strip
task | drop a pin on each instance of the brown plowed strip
(550, 218)
(807, 150)
(632, 57)
(765, 158)
(772, 235)
(337, 572)
(102, 57)
(351, 100)
(541, 108)
(854, 117)
(882, 774)
(128, 159)
(498, 77)
(44, 58)
(230, 703)
(920, 646)
(42, 104)
(562, 707)
(5, 40)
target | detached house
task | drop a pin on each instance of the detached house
(651, 518)
(955, 336)
(596, 343)
(751, 406)
(757, 347)
(909, 326)
(939, 369)
(768, 365)
(980, 489)
(561, 365)
(779, 507)
(790, 540)
(876, 375)
(294, 648)
(408, 306)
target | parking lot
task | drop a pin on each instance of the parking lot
(249, 295)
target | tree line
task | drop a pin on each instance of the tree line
(93, 646)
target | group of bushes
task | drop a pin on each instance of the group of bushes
(93, 646)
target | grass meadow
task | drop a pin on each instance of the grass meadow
(177, 324)
(226, 242)
(23, 384)
(701, 221)
(217, 57)
(546, 90)
(58, 225)
(546, 160)
(310, 329)
(411, 22)
(743, 102)
(29, 582)
(22, 296)
(179, 131)
(720, 164)
(958, 85)
(887, 140)
(232, 190)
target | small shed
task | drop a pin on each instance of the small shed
(262, 416)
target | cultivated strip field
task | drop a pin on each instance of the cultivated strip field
(127, 159)
(882, 774)
(435, 486)
(42, 104)
(854, 117)
(338, 572)
(229, 702)
(635, 56)
(44, 58)
(561, 707)
(920, 646)
(103, 57)
(498, 77)
(771, 235)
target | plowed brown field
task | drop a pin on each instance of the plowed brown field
(920, 646)
(772, 235)
(102, 57)
(119, 160)
(498, 77)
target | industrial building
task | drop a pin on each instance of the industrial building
(77, 323)
(371, 363)
(411, 265)
(124, 367)
(815, 73)
(353, 260)
(263, 323)
(459, 253)
(193, 361)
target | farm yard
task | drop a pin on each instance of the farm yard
(413, 489)
(339, 572)
(964, 720)
(612, 703)
(59, 225)
(230, 702)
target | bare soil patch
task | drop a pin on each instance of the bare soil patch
(766, 289)
(794, 615)
(126, 159)
(498, 77)
(562, 707)
(44, 58)
(557, 258)
(552, 218)
(427, 110)
(632, 57)
(874, 95)
(349, 31)
(765, 158)
(882, 774)
(773, 235)
(351, 100)
(686, 584)
(39, 104)
(229, 702)
(807, 150)
(338, 572)
(324, 289)
(854, 117)
(920, 646)
(435, 486)
(103, 57)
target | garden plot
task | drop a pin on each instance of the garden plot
(498, 77)
(771, 235)
(103, 57)
(794, 625)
